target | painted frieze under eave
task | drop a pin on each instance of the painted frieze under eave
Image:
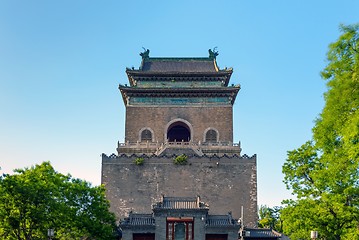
(183, 96)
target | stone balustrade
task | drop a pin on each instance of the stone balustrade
(200, 148)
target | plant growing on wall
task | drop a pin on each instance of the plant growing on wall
(139, 161)
(181, 159)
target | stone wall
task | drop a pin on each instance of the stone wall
(225, 183)
(200, 118)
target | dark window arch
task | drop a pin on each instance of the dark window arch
(211, 136)
(146, 135)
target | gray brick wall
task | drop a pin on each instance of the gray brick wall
(225, 183)
(201, 118)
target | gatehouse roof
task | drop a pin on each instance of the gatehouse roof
(138, 219)
(261, 233)
(221, 220)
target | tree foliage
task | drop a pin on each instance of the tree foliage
(324, 172)
(36, 199)
(270, 218)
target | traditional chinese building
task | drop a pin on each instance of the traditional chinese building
(179, 142)
(180, 218)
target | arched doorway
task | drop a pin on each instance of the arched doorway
(178, 131)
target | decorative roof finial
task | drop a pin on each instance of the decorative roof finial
(213, 53)
(145, 53)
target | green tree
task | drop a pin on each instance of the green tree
(324, 172)
(36, 199)
(270, 218)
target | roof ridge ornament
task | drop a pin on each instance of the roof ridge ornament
(145, 54)
(213, 53)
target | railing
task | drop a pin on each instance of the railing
(138, 144)
(180, 203)
(182, 143)
(221, 144)
(200, 147)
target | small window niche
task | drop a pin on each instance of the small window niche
(146, 135)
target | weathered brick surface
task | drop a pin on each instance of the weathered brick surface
(157, 118)
(225, 183)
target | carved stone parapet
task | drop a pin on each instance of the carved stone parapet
(200, 148)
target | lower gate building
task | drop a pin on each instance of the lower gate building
(184, 218)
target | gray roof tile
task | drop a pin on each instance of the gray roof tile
(136, 219)
(179, 65)
(261, 233)
(220, 220)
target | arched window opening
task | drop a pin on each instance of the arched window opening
(178, 132)
(146, 135)
(211, 136)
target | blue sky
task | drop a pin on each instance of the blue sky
(61, 63)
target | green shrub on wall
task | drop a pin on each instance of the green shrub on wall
(181, 159)
(139, 161)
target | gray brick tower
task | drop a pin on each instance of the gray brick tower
(180, 107)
